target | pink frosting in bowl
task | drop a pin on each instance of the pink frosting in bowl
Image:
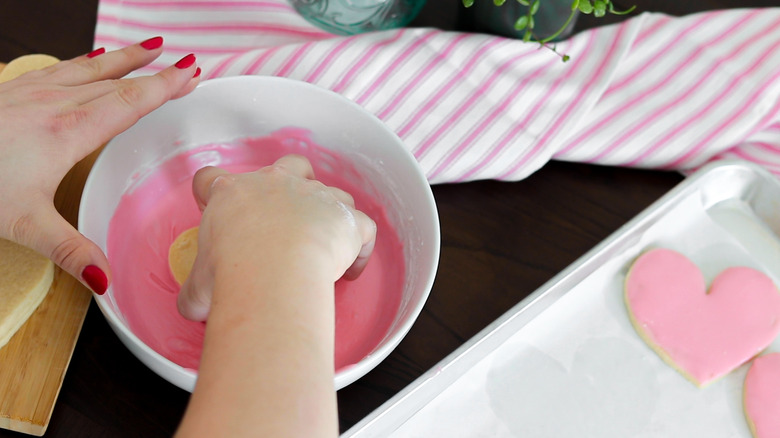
(152, 213)
(137, 200)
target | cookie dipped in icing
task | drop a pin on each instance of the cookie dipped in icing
(702, 334)
(181, 254)
(761, 396)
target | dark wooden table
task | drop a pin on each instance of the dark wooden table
(500, 242)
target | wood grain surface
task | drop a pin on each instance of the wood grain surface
(500, 241)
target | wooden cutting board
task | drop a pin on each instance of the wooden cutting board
(33, 363)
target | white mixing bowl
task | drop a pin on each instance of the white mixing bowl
(226, 109)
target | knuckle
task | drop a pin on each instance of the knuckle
(292, 161)
(92, 67)
(69, 120)
(343, 195)
(65, 253)
(222, 183)
(129, 95)
(297, 157)
(23, 229)
(277, 167)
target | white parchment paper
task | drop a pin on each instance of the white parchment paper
(580, 370)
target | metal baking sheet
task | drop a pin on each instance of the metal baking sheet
(566, 361)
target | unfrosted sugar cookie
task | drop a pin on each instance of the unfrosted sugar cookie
(762, 396)
(25, 279)
(704, 335)
(23, 64)
(181, 254)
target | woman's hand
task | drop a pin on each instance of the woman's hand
(271, 245)
(52, 118)
(279, 212)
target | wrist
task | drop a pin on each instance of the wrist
(273, 252)
(270, 334)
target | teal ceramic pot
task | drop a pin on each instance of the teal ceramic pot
(349, 17)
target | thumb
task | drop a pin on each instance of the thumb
(202, 182)
(194, 300)
(45, 231)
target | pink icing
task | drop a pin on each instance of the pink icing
(704, 334)
(762, 396)
(158, 208)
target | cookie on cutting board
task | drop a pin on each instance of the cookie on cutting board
(25, 279)
(25, 275)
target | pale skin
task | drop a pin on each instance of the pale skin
(272, 277)
(272, 243)
(51, 119)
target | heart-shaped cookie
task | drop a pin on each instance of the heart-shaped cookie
(762, 396)
(25, 278)
(704, 335)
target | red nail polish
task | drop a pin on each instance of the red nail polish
(152, 43)
(197, 73)
(96, 52)
(186, 61)
(95, 278)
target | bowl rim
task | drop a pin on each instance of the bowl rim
(346, 375)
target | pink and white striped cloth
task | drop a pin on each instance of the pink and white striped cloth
(654, 91)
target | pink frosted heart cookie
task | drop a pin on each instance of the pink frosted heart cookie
(704, 335)
(762, 396)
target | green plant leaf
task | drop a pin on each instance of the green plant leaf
(599, 8)
(535, 7)
(521, 23)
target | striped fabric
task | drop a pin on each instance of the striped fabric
(653, 91)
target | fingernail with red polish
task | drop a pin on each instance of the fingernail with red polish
(95, 278)
(152, 43)
(197, 73)
(96, 52)
(186, 62)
